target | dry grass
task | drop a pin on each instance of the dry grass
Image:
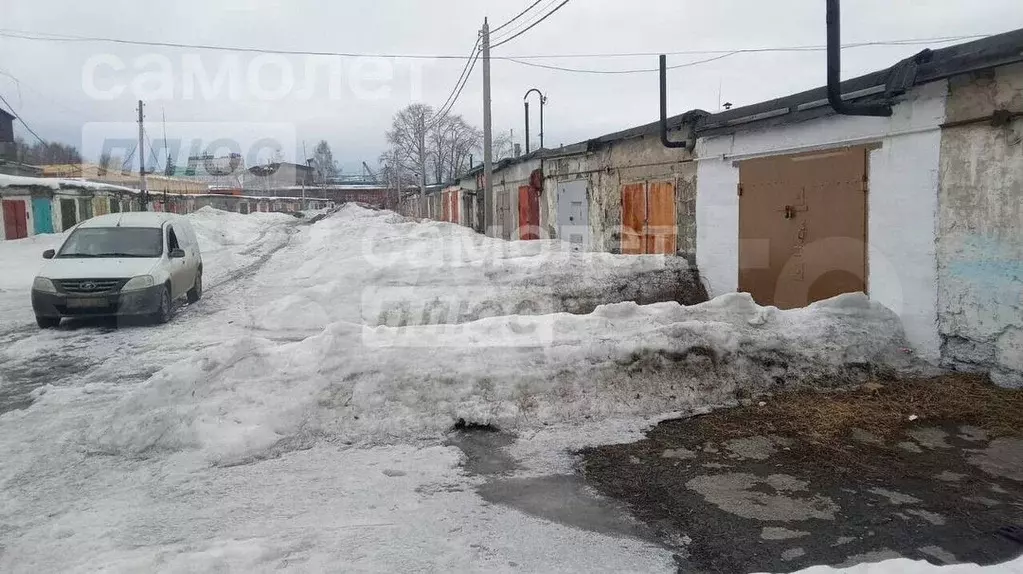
(882, 409)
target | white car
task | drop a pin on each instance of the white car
(120, 264)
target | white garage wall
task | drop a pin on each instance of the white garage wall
(902, 202)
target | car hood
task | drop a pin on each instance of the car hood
(88, 268)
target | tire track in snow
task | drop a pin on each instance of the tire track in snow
(127, 350)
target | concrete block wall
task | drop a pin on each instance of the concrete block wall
(980, 228)
(612, 165)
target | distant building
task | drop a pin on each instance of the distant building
(265, 179)
(223, 172)
(6, 135)
(155, 182)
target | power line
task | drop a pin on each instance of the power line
(525, 22)
(462, 78)
(72, 38)
(152, 152)
(17, 84)
(127, 161)
(805, 48)
(723, 55)
(636, 71)
(22, 120)
(47, 37)
(441, 116)
(533, 25)
(517, 16)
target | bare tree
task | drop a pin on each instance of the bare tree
(408, 136)
(104, 164)
(323, 162)
(452, 141)
(40, 153)
(502, 145)
(392, 173)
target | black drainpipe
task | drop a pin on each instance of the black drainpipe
(664, 107)
(835, 72)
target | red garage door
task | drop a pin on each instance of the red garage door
(15, 219)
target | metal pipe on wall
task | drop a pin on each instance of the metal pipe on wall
(834, 28)
(664, 107)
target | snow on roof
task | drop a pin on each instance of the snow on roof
(58, 183)
(154, 219)
(341, 187)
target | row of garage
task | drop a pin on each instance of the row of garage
(792, 203)
(34, 209)
(48, 205)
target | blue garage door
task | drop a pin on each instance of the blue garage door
(41, 213)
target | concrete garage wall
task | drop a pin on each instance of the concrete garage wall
(609, 166)
(506, 188)
(902, 202)
(980, 248)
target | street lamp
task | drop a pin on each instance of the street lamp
(525, 101)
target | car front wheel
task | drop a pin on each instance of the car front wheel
(47, 322)
(163, 312)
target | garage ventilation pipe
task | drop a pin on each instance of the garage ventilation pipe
(664, 107)
(834, 71)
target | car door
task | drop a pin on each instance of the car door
(178, 267)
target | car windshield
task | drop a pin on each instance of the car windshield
(113, 242)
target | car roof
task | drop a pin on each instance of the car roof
(153, 219)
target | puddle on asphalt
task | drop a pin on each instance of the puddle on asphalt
(563, 499)
(484, 451)
(20, 381)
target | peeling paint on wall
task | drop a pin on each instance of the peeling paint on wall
(611, 166)
(980, 245)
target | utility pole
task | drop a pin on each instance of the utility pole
(303, 175)
(166, 165)
(143, 186)
(488, 152)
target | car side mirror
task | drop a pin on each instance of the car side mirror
(177, 253)
(49, 253)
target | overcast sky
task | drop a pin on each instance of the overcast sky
(67, 89)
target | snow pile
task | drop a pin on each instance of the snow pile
(56, 183)
(230, 241)
(253, 398)
(903, 566)
(21, 260)
(375, 267)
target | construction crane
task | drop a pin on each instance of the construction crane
(370, 174)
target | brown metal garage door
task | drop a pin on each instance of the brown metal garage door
(802, 226)
(648, 218)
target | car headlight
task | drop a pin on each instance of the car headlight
(138, 283)
(43, 284)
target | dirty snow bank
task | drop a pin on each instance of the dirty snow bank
(21, 260)
(375, 267)
(253, 398)
(912, 567)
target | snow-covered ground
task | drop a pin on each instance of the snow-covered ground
(295, 418)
